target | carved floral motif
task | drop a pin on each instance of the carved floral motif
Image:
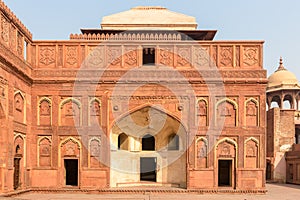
(226, 56)
(251, 56)
(95, 58)
(114, 55)
(183, 56)
(202, 56)
(47, 55)
(131, 58)
(71, 55)
(166, 57)
(20, 44)
(4, 29)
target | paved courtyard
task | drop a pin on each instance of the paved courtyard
(275, 192)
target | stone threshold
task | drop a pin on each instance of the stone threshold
(136, 190)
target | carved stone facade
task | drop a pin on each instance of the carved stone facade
(87, 113)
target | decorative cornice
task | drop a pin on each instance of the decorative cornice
(16, 21)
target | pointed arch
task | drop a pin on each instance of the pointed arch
(23, 138)
(78, 122)
(94, 111)
(20, 107)
(230, 141)
(94, 154)
(251, 153)
(225, 114)
(47, 158)
(201, 152)
(63, 142)
(45, 114)
(251, 114)
(202, 112)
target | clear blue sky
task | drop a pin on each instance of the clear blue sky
(277, 22)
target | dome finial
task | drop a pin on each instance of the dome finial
(281, 67)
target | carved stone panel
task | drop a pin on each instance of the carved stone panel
(70, 148)
(251, 56)
(5, 30)
(226, 112)
(184, 57)
(45, 152)
(71, 56)
(19, 102)
(95, 153)
(131, 57)
(95, 112)
(251, 114)
(95, 58)
(20, 44)
(166, 56)
(201, 154)
(114, 55)
(47, 56)
(201, 57)
(44, 112)
(226, 150)
(202, 112)
(226, 56)
(251, 154)
(70, 114)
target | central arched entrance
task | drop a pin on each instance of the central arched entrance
(154, 149)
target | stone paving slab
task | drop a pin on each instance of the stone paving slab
(275, 192)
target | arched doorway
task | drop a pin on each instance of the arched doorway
(153, 154)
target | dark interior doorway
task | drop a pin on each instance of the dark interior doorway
(148, 143)
(148, 56)
(225, 173)
(71, 169)
(268, 171)
(16, 172)
(148, 169)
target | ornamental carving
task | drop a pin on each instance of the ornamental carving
(226, 56)
(5, 30)
(131, 57)
(201, 154)
(13, 38)
(251, 56)
(95, 57)
(251, 154)
(71, 55)
(184, 56)
(202, 57)
(47, 55)
(237, 56)
(70, 148)
(20, 44)
(114, 55)
(226, 149)
(166, 57)
(44, 152)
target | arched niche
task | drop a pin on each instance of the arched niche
(70, 113)
(44, 111)
(251, 112)
(227, 112)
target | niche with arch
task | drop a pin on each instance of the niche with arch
(19, 107)
(94, 111)
(44, 111)
(251, 153)
(202, 112)
(227, 110)
(70, 112)
(252, 112)
(94, 152)
(44, 152)
(201, 152)
(123, 142)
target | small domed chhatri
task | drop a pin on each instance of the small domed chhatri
(282, 79)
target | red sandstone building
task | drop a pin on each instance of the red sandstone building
(147, 99)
